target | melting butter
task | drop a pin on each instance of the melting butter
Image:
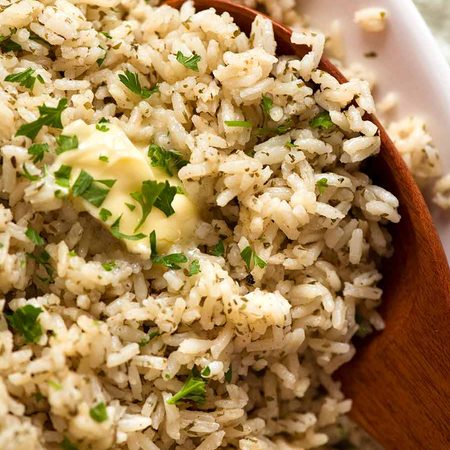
(129, 166)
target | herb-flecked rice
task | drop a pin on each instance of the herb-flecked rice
(227, 341)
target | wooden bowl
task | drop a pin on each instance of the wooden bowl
(399, 380)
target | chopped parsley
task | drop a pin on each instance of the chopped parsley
(8, 45)
(56, 386)
(25, 321)
(103, 158)
(238, 123)
(47, 116)
(229, 375)
(190, 62)
(130, 206)
(131, 81)
(143, 342)
(43, 260)
(66, 143)
(266, 104)
(62, 176)
(206, 372)
(218, 249)
(99, 412)
(194, 268)
(280, 129)
(26, 174)
(155, 194)
(34, 236)
(102, 125)
(115, 231)
(38, 151)
(86, 187)
(171, 261)
(194, 389)
(25, 79)
(105, 214)
(322, 184)
(168, 160)
(109, 266)
(322, 121)
(251, 259)
(101, 60)
(67, 445)
(364, 326)
(106, 34)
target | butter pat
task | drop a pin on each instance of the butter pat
(110, 155)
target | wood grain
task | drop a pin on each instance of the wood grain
(400, 379)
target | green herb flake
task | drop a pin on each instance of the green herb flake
(194, 268)
(238, 123)
(266, 104)
(26, 79)
(99, 412)
(47, 116)
(109, 266)
(322, 121)
(62, 176)
(194, 389)
(25, 321)
(38, 151)
(101, 60)
(43, 260)
(26, 174)
(168, 160)
(206, 372)
(82, 184)
(106, 34)
(38, 396)
(104, 214)
(218, 249)
(322, 184)
(103, 158)
(66, 143)
(251, 259)
(156, 194)
(131, 81)
(102, 125)
(171, 261)
(86, 187)
(229, 375)
(34, 236)
(8, 45)
(67, 445)
(115, 231)
(143, 342)
(190, 62)
(130, 206)
(53, 384)
(72, 253)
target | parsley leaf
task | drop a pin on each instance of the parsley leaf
(194, 268)
(218, 249)
(28, 175)
(34, 236)
(168, 160)
(8, 45)
(152, 193)
(43, 260)
(25, 321)
(101, 126)
(143, 342)
(190, 62)
(152, 237)
(165, 199)
(322, 121)
(48, 116)
(62, 176)
(82, 184)
(66, 143)
(103, 158)
(25, 79)
(322, 184)
(109, 266)
(229, 375)
(131, 81)
(130, 206)
(88, 189)
(238, 123)
(105, 214)
(193, 389)
(252, 259)
(115, 231)
(99, 412)
(37, 151)
(266, 104)
(171, 261)
(67, 445)
(206, 372)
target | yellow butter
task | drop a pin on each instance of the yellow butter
(129, 167)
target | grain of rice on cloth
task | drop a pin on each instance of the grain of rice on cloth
(114, 346)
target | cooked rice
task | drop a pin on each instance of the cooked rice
(282, 330)
(372, 20)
